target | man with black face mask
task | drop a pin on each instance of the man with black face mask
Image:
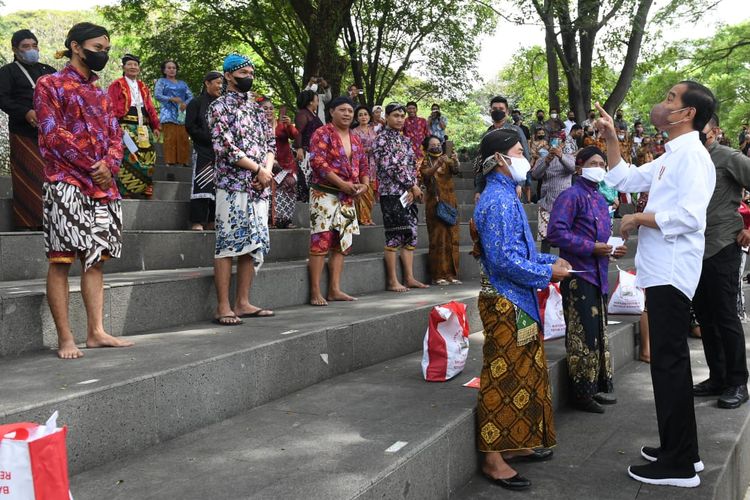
(539, 123)
(80, 140)
(715, 299)
(669, 260)
(518, 122)
(17, 83)
(245, 148)
(499, 115)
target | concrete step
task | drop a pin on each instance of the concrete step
(179, 174)
(22, 253)
(6, 215)
(6, 187)
(330, 440)
(594, 451)
(121, 401)
(172, 190)
(144, 301)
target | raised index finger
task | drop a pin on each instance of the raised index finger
(601, 111)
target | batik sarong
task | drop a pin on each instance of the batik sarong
(77, 225)
(27, 177)
(241, 226)
(543, 222)
(514, 409)
(283, 199)
(364, 204)
(135, 178)
(586, 340)
(400, 223)
(332, 222)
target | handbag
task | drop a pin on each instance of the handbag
(445, 212)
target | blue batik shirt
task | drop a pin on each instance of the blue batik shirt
(509, 256)
(166, 89)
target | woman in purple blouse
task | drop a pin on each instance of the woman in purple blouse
(579, 225)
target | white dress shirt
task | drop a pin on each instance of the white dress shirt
(568, 125)
(136, 99)
(680, 185)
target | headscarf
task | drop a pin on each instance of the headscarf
(130, 57)
(586, 153)
(79, 33)
(235, 61)
(21, 35)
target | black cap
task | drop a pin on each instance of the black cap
(498, 140)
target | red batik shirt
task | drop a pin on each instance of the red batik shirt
(327, 154)
(77, 128)
(416, 129)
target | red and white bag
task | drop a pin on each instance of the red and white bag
(34, 461)
(446, 343)
(551, 311)
(627, 298)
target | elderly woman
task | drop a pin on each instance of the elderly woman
(437, 173)
(514, 411)
(174, 96)
(364, 128)
(132, 105)
(203, 195)
(580, 226)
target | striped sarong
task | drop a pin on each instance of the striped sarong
(27, 176)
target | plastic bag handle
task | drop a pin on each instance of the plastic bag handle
(21, 429)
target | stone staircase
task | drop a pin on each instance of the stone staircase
(302, 405)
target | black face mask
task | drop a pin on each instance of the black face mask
(703, 137)
(497, 115)
(244, 84)
(516, 118)
(619, 117)
(589, 134)
(540, 117)
(95, 60)
(540, 138)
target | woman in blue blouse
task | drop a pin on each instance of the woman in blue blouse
(580, 226)
(174, 96)
(514, 410)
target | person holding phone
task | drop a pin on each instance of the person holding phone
(284, 183)
(437, 123)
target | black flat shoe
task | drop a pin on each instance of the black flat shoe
(589, 405)
(733, 397)
(516, 482)
(708, 388)
(605, 398)
(537, 455)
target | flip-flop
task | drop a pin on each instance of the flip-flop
(257, 314)
(218, 321)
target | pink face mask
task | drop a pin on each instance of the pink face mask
(660, 116)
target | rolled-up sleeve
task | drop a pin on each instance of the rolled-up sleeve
(629, 178)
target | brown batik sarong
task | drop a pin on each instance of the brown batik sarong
(514, 410)
(77, 225)
(27, 176)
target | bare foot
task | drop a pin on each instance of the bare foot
(69, 350)
(318, 300)
(644, 358)
(517, 453)
(505, 472)
(397, 287)
(196, 227)
(251, 311)
(412, 283)
(106, 340)
(340, 296)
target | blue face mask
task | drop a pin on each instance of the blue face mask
(30, 56)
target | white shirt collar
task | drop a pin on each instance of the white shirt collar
(682, 141)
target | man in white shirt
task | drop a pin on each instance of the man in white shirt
(320, 87)
(569, 122)
(669, 259)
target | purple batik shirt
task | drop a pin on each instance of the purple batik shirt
(580, 218)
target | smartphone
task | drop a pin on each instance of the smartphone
(448, 148)
(282, 111)
(554, 142)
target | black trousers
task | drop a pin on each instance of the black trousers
(715, 305)
(669, 324)
(203, 211)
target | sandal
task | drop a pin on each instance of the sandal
(440, 282)
(228, 320)
(260, 313)
(456, 282)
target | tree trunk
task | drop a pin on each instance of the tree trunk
(631, 58)
(553, 75)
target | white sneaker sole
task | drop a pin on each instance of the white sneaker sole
(698, 466)
(690, 482)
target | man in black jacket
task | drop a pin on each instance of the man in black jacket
(17, 83)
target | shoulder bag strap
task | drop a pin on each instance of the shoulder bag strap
(23, 70)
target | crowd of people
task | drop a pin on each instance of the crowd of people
(85, 149)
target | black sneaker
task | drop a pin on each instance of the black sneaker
(652, 454)
(708, 388)
(655, 473)
(733, 397)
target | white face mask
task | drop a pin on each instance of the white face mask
(314, 87)
(621, 137)
(518, 167)
(553, 116)
(593, 174)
